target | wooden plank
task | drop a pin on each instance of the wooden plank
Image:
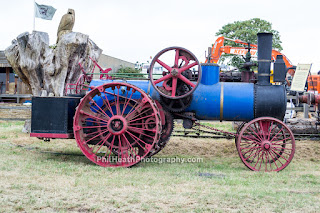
(15, 95)
(306, 110)
(15, 85)
(14, 119)
(7, 78)
(16, 107)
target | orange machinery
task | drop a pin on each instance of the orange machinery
(314, 83)
(218, 48)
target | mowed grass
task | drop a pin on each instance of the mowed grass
(35, 177)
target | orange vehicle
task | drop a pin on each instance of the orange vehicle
(218, 48)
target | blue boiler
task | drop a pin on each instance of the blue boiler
(230, 101)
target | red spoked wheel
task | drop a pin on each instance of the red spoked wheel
(167, 129)
(183, 71)
(238, 132)
(80, 84)
(116, 125)
(266, 144)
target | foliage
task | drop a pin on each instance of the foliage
(54, 46)
(129, 70)
(247, 32)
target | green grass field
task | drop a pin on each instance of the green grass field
(55, 176)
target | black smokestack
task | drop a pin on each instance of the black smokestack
(264, 57)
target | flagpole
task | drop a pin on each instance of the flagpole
(34, 14)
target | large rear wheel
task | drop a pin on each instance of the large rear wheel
(116, 125)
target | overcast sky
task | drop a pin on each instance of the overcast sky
(134, 30)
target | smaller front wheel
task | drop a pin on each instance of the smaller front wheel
(266, 144)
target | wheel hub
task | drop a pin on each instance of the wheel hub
(266, 145)
(117, 125)
(174, 72)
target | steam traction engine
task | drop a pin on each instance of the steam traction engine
(117, 123)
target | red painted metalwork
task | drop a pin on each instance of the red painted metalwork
(80, 83)
(104, 72)
(167, 129)
(183, 61)
(85, 78)
(266, 144)
(51, 135)
(116, 125)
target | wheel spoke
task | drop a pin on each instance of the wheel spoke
(140, 131)
(174, 87)
(141, 118)
(139, 124)
(132, 135)
(281, 151)
(279, 155)
(276, 158)
(129, 144)
(275, 142)
(139, 114)
(127, 101)
(111, 111)
(252, 154)
(254, 138)
(144, 149)
(187, 81)
(274, 161)
(263, 129)
(255, 133)
(112, 143)
(104, 113)
(120, 150)
(118, 103)
(251, 149)
(137, 105)
(258, 130)
(104, 141)
(282, 148)
(166, 77)
(85, 142)
(92, 116)
(265, 160)
(276, 134)
(164, 65)
(176, 60)
(270, 129)
(91, 127)
(187, 67)
(258, 159)
(97, 111)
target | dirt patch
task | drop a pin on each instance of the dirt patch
(308, 150)
(177, 146)
(200, 147)
(305, 150)
(24, 113)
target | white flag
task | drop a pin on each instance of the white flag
(44, 11)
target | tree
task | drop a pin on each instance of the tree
(246, 31)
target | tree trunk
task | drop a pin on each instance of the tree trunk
(48, 70)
